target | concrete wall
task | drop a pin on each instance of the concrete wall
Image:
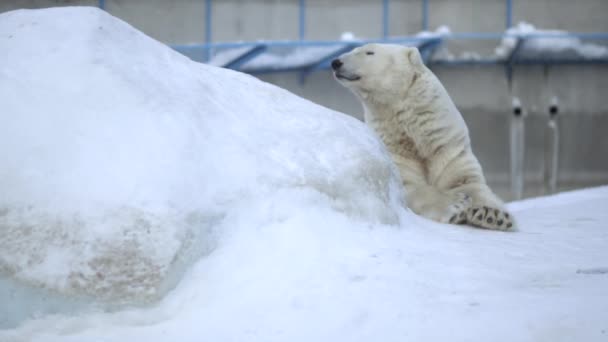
(482, 93)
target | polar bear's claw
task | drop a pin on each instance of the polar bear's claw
(459, 218)
(489, 218)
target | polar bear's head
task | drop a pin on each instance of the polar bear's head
(374, 68)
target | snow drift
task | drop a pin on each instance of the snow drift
(121, 157)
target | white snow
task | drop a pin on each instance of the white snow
(442, 53)
(548, 44)
(271, 218)
(347, 36)
(440, 31)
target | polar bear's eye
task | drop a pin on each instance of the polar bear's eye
(369, 53)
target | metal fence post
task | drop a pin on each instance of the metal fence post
(385, 19)
(208, 28)
(517, 149)
(509, 14)
(302, 20)
(425, 15)
(551, 148)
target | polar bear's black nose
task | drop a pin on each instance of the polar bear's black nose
(336, 64)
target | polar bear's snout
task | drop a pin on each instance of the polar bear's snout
(336, 64)
(341, 73)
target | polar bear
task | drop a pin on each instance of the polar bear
(425, 134)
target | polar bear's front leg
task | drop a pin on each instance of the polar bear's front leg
(437, 205)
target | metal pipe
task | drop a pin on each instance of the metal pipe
(102, 4)
(517, 149)
(208, 27)
(385, 19)
(425, 15)
(302, 20)
(509, 14)
(551, 148)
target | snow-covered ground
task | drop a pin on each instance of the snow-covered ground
(152, 198)
(316, 276)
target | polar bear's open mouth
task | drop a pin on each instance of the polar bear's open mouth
(351, 78)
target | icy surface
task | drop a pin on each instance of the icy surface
(121, 158)
(119, 150)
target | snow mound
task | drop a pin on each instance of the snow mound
(121, 159)
(548, 44)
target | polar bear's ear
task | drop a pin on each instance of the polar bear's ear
(413, 56)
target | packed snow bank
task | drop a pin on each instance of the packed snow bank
(548, 44)
(121, 160)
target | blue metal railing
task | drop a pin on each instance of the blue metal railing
(208, 26)
(249, 51)
(385, 19)
(427, 46)
(302, 17)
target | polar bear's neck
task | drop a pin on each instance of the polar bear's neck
(426, 94)
(415, 122)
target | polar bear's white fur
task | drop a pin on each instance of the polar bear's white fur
(411, 111)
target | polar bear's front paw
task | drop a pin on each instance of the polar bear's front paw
(458, 209)
(489, 218)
